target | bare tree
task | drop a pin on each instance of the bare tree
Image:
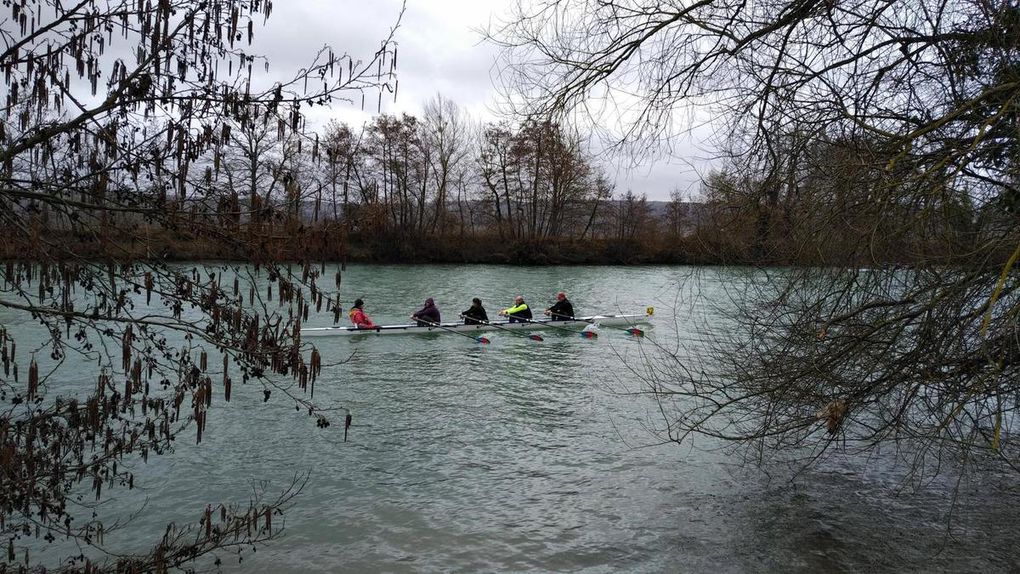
(445, 129)
(539, 177)
(895, 122)
(111, 142)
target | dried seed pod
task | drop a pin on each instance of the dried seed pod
(833, 414)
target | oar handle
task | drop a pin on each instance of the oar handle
(543, 323)
(501, 328)
(445, 328)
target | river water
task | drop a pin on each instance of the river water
(526, 455)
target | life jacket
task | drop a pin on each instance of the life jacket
(359, 319)
(518, 312)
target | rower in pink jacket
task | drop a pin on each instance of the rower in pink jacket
(358, 316)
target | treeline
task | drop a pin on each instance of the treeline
(439, 187)
(444, 188)
(838, 200)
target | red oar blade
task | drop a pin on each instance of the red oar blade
(482, 340)
(636, 332)
(589, 334)
(536, 337)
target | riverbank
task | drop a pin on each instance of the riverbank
(315, 245)
(330, 244)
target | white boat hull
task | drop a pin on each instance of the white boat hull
(578, 324)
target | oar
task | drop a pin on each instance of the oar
(631, 330)
(585, 334)
(532, 336)
(482, 340)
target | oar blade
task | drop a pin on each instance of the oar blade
(636, 332)
(482, 340)
(589, 334)
(536, 337)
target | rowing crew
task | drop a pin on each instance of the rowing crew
(519, 312)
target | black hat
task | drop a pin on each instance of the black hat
(358, 302)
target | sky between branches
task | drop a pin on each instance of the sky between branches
(440, 51)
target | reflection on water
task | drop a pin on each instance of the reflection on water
(535, 455)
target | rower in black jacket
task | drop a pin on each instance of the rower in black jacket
(476, 314)
(562, 310)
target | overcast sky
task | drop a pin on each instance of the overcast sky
(440, 51)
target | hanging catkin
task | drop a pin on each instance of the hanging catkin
(102, 383)
(136, 375)
(226, 378)
(126, 348)
(149, 284)
(207, 519)
(4, 357)
(316, 362)
(33, 379)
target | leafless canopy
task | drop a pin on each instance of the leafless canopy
(914, 74)
(891, 129)
(112, 134)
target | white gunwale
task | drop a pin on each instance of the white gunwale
(579, 323)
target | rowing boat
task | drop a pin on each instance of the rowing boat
(578, 323)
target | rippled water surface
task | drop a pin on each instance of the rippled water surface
(543, 456)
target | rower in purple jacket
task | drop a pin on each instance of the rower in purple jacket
(428, 315)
